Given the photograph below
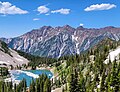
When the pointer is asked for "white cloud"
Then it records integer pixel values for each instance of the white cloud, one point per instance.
(35, 19)
(47, 14)
(61, 11)
(8, 8)
(100, 7)
(81, 24)
(43, 9)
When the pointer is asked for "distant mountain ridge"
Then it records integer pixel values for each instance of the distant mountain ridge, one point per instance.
(59, 41)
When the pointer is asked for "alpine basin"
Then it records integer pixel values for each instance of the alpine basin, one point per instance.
(28, 75)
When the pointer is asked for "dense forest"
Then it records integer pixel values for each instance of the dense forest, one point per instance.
(41, 84)
(37, 60)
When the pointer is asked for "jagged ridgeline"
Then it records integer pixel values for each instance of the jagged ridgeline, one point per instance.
(59, 41)
(88, 72)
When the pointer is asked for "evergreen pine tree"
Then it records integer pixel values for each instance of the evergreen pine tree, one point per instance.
(71, 85)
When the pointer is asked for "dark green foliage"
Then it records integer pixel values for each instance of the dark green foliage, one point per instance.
(74, 81)
(47, 85)
(36, 60)
(3, 71)
(71, 87)
(32, 86)
(22, 86)
(89, 75)
(41, 84)
(5, 48)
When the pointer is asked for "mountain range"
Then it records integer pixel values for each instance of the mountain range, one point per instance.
(59, 41)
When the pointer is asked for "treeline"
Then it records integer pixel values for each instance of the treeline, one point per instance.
(41, 84)
(37, 60)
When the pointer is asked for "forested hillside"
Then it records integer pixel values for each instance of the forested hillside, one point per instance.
(36, 60)
(88, 72)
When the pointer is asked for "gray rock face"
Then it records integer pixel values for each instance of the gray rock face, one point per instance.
(11, 58)
(60, 41)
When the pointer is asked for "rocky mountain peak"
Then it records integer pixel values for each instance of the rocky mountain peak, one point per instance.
(80, 28)
(60, 41)
(67, 26)
(45, 27)
(109, 27)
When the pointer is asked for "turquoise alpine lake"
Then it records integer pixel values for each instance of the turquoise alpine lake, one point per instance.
(28, 75)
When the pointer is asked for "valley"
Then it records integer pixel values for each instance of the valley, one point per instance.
(59, 46)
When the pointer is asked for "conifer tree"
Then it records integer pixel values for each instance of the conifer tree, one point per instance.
(71, 86)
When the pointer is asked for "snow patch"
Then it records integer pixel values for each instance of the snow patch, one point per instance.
(61, 50)
(3, 56)
(77, 47)
(112, 55)
(76, 43)
(3, 62)
(74, 38)
(40, 39)
(28, 73)
(87, 45)
(116, 37)
(98, 86)
(19, 59)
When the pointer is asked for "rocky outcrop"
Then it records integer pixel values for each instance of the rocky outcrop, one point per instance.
(10, 57)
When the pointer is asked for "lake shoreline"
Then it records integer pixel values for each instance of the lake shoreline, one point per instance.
(15, 75)
(51, 69)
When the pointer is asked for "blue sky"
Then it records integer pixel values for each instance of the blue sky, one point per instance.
(20, 16)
